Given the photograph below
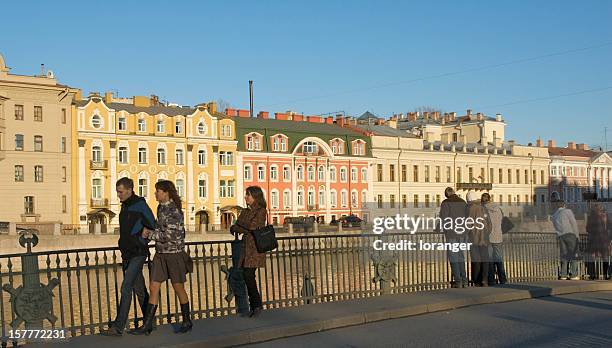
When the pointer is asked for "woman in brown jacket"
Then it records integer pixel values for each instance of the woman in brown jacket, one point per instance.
(599, 242)
(250, 219)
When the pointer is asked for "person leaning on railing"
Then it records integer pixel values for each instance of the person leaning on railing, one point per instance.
(170, 261)
(598, 245)
(567, 232)
(496, 253)
(251, 219)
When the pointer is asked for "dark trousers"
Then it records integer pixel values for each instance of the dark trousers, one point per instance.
(496, 264)
(254, 296)
(133, 283)
(480, 264)
(595, 268)
(457, 263)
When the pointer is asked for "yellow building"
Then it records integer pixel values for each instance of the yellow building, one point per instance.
(147, 141)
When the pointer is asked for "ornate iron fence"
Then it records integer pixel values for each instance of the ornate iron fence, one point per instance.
(85, 283)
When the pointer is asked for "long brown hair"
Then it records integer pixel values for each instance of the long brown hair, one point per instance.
(258, 196)
(168, 186)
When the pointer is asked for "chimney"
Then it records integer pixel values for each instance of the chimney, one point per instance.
(411, 116)
(263, 114)
(154, 100)
(469, 114)
(498, 117)
(212, 107)
(329, 120)
(281, 116)
(347, 121)
(340, 120)
(539, 143)
(426, 115)
(297, 117)
(453, 116)
(314, 119)
(108, 97)
(582, 147)
(551, 143)
(243, 113)
(571, 145)
(479, 116)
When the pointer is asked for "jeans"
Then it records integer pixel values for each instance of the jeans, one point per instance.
(568, 246)
(496, 264)
(254, 296)
(457, 263)
(480, 264)
(133, 283)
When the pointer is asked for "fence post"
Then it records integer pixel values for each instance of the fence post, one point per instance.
(290, 228)
(316, 227)
(31, 302)
(339, 226)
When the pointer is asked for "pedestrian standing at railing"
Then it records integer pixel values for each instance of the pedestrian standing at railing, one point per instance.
(251, 219)
(567, 232)
(479, 237)
(496, 253)
(170, 261)
(455, 208)
(598, 247)
(134, 216)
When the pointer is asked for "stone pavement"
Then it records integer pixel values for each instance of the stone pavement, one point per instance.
(293, 321)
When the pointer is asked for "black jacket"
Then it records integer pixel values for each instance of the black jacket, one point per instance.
(135, 214)
(453, 207)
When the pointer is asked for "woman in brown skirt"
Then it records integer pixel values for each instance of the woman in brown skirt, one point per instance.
(250, 219)
(170, 261)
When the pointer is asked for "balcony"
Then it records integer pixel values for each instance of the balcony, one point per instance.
(98, 202)
(98, 164)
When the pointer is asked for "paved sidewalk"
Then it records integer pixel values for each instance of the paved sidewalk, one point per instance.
(292, 321)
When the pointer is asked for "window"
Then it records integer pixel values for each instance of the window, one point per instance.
(201, 128)
(96, 154)
(391, 172)
(358, 148)
(343, 174)
(364, 198)
(38, 113)
(226, 189)
(333, 199)
(161, 126)
(202, 188)
(226, 130)
(253, 143)
(404, 173)
(455, 137)
(38, 143)
(311, 199)
(364, 175)
(448, 174)
(309, 147)
(426, 201)
(161, 156)
(286, 173)
(63, 146)
(482, 175)
(391, 201)
(404, 201)
(287, 199)
(63, 174)
(509, 176)
(321, 198)
(354, 175)
(300, 198)
(553, 171)
(142, 125)
(179, 157)
(248, 173)
(438, 200)
(227, 158)
(64, 118)
(343, 199)
(142, 155)
(332, 174)
(354, 200)
(178, 126)
(300, 172)
(96, 188)
(19, 173)
(274, 199)
(491, 175)
(122, 125)
(518, 176)
(543, 180)
(321, 173)
(261, 173)
(379, 172)
(416, 201)
(28, 204)
(311, 173)
(96, 121)
(427, 174)
(143, 188)
(527, 176)
(274, 173)
(458, 177)
(38, 173)
(201, 157)
(19, 112)
(379, 201)
(415, 173)
(283, 144)
(123, 155)
(437, 173)
(471, 174)
(500, 176)
(180, 187)
(276, 144)
(64, 204)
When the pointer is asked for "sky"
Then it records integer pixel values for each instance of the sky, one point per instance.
(544, 65)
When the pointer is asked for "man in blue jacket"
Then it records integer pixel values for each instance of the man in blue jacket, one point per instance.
(134, 216)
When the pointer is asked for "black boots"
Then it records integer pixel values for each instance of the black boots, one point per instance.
(147, 325)
(186, 325)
